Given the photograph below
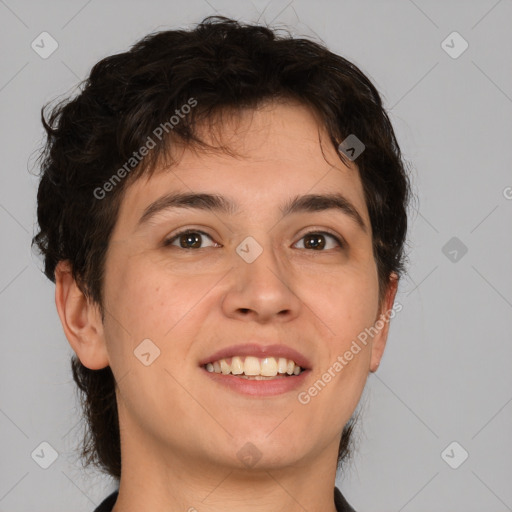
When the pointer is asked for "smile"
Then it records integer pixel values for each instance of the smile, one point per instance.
(256, 368)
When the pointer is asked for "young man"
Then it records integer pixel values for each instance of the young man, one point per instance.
(223, 213)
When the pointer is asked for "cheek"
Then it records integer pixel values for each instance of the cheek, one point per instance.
(148, 304)
(345, 302)
(149, 301)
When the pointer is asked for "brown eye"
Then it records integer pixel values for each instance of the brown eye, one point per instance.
(189, 239)
(317, 241)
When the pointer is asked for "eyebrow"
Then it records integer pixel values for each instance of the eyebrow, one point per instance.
(221, 204)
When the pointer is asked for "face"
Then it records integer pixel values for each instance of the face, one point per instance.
(259, 266)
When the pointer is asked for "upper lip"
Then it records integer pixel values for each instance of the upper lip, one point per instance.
(260, 351)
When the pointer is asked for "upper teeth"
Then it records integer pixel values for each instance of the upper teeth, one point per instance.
(266, 366)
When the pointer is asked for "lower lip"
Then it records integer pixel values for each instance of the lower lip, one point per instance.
(271, 387)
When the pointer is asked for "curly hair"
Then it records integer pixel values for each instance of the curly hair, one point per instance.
(223, 65)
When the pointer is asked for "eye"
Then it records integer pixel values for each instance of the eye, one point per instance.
(188, 239)
(316, 240)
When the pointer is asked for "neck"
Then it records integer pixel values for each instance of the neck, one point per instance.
(161, 480)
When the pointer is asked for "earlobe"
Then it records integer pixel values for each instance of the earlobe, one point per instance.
(80, 319)
(382, 323)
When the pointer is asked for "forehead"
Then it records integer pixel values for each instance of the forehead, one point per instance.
(279, 150)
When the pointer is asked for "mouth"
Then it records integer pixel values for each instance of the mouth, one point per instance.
(255, 368)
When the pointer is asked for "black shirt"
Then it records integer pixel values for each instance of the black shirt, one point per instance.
(341, 503)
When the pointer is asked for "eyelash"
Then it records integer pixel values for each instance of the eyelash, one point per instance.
(169, 241)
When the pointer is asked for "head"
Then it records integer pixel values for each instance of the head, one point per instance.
(235, 111)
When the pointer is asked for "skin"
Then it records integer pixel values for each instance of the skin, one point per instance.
(180, 432)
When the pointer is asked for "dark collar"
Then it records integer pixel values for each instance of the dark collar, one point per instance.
(341, 503)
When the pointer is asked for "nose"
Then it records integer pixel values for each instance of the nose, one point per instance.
(261, 290)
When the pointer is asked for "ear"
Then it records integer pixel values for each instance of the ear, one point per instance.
(382, 323)
(81, 319)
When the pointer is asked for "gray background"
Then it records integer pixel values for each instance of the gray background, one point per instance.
(446, 374)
